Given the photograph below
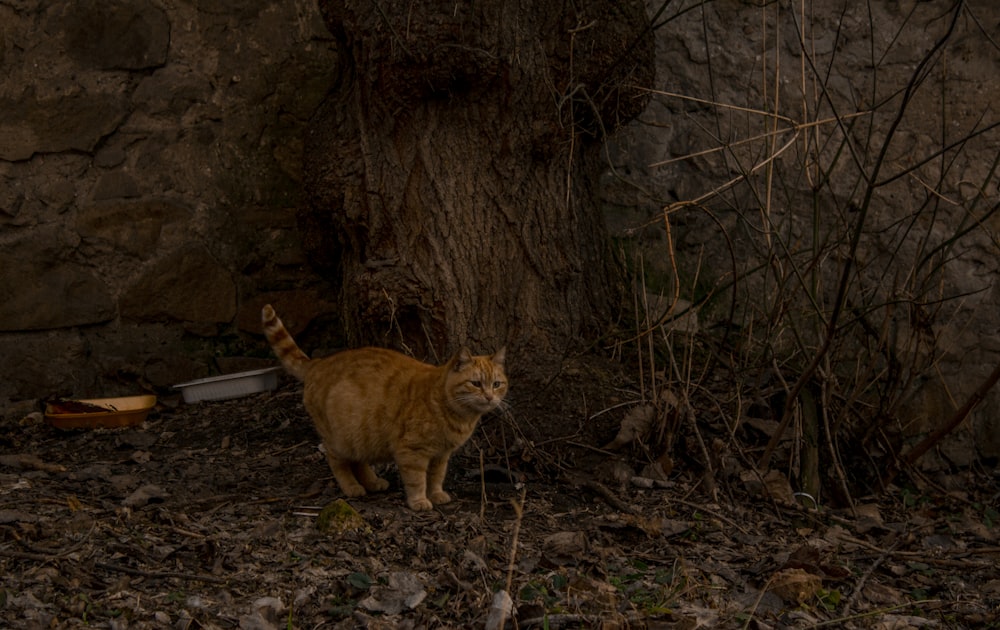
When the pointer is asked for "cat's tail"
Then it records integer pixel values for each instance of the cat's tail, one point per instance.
(291, 356)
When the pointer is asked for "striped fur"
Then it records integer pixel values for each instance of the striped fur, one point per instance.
(374, 405)
(287, 351)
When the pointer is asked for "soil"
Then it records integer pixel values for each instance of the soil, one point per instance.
(206, 516)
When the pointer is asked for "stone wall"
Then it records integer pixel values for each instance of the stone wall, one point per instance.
(769, 123)
(150, 160)
(149, 178)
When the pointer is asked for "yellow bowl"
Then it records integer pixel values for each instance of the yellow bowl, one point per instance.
(120, 412)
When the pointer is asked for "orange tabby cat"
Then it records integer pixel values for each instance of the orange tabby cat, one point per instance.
(374, 405)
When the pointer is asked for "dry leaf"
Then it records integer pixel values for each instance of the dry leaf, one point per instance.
(403, 591)
(883, 595)
(869, 518)
(564, 548)
(501, 609)
(652, 526)
(655, 471)
(778, 487)
(690, 617)
(597, 591)
(635, 425)
(29, 462)
(771, 484)
(144, 495)
(641, 420)
(795, 585)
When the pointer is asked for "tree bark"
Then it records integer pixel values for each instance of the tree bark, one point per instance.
(451, 175)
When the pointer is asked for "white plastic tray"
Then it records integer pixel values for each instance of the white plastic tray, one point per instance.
(229, 385)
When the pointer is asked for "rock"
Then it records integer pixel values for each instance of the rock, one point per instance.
(40, 365)
(115, 155)
(132, 226)
(167, 371)
(121, 35)
(73, 123)
(170, 91)
(42, 294)
(115, 185)
(188, 285)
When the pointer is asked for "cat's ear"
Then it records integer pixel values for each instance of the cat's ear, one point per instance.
(462, 359)
(499, 356)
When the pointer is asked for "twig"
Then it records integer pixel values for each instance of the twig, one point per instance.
(713, 513)
(564, 620)
(956, 419)
(627, 403)
(284, 450)
(709, 476)
(589, 447)
(864, 578)
(25, 555)
(840, 297)
(41, 557)
(53, 554)
(756, 603)
(159, 574)
(503, 604)
(187, 533)
(482, 488)
(602, 491)
(873, 613)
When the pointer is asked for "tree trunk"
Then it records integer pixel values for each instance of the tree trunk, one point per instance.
(451, 176)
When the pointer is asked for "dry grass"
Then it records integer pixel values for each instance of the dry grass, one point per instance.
(832, 314)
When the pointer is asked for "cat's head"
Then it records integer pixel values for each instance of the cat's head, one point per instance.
(476, 383)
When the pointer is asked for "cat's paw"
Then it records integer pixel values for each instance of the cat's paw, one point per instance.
(420, 505)
(440, 496)
(355, 490)
(378, 485)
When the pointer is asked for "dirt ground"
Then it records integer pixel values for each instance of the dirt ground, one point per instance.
(206, 517)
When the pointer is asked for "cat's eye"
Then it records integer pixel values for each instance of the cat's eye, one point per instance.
(479, 384)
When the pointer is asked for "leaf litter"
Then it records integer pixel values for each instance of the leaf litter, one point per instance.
(207, 516)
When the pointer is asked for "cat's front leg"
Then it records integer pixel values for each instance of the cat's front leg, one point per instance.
(413, 469)
(344, 474)
(368, 478)
(435, 480)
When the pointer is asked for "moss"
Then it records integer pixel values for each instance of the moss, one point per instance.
(339, 517)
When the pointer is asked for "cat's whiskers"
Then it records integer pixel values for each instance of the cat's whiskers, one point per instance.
(477, 402)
